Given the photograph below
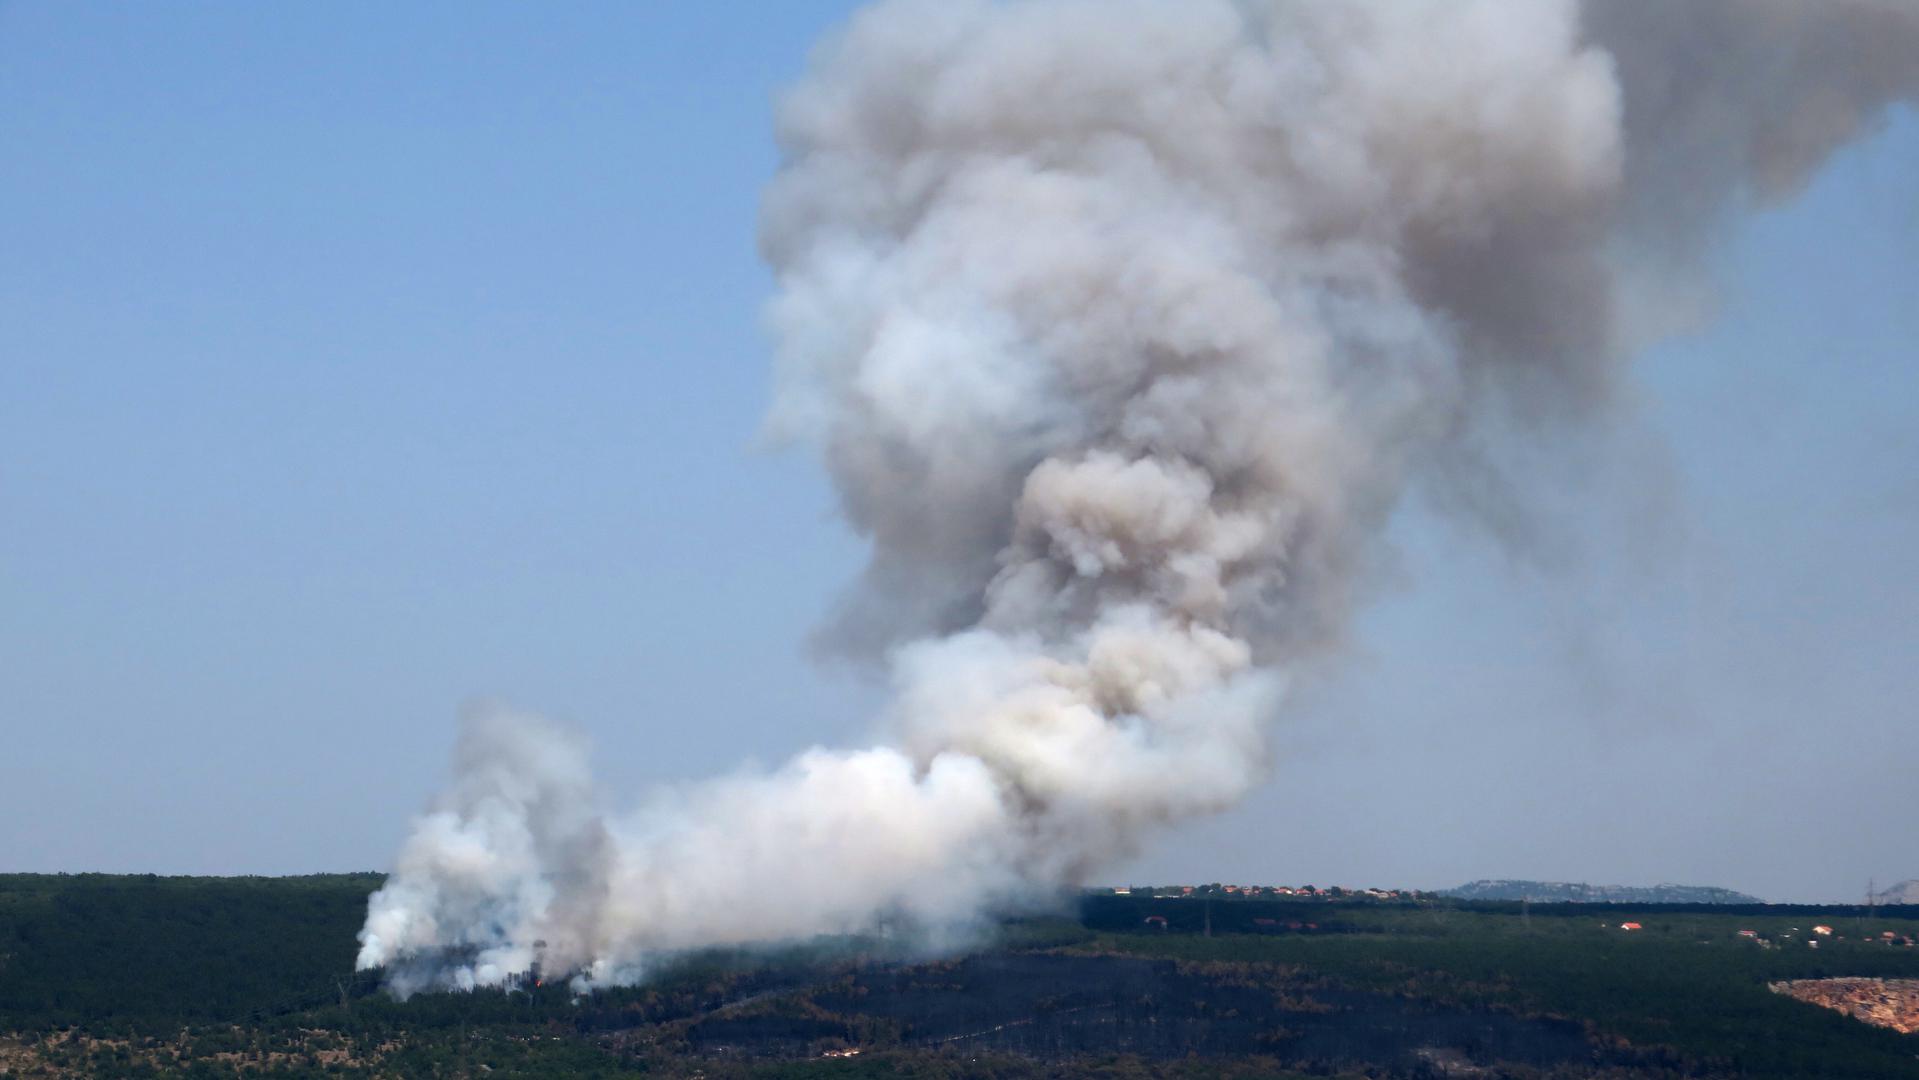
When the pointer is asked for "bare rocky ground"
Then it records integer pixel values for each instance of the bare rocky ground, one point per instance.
(1887, 1003)
(72, 1053)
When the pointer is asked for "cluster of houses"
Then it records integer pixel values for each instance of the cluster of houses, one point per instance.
(1265, 892)
(1766, 941)
(1884, 937)
(1264, 926)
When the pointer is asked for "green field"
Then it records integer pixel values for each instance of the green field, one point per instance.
(142, 976)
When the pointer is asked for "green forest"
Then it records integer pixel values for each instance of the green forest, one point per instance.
(152, 976)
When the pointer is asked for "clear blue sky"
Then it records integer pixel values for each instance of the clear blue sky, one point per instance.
(359, 360)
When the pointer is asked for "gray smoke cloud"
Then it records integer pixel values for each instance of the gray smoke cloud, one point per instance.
(1123, 327)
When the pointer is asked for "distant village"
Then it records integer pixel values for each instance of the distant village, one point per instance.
(1787, 937)
(1218, 891)
(1772, 938)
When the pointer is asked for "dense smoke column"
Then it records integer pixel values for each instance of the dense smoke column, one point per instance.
(1122, 328)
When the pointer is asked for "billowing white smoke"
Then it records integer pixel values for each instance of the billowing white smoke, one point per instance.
(1123, 326)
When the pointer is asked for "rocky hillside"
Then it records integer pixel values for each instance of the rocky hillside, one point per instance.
(1887, 1003)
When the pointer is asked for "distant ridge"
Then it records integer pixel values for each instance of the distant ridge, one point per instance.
(1562, 892)
(1906, 892)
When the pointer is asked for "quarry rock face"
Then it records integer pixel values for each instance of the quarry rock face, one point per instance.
(1888, 1003)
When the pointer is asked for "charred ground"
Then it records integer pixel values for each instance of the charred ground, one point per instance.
(216, 977)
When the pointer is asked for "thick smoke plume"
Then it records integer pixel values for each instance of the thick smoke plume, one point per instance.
(1123, 326)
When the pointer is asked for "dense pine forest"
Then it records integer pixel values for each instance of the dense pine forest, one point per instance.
(148, 976)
